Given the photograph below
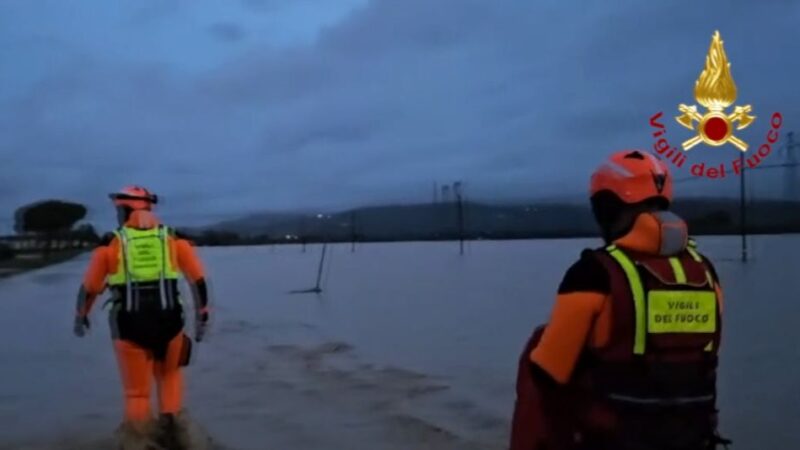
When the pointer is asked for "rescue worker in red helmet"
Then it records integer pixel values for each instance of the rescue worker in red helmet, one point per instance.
(141, 263)
(628, 360)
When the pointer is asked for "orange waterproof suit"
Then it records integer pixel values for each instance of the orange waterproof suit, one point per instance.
(146, 316)
(583, 384)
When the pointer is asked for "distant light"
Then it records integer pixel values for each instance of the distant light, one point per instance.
(320, 216)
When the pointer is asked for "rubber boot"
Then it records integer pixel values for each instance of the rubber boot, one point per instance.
(173, 432)
(136, 436)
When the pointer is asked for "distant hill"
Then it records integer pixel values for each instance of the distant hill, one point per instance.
(258, 223)
(492, 221)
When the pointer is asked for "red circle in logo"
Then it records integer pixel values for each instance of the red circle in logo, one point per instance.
(716, 129)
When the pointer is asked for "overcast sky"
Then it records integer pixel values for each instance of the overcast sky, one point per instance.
(225, 107)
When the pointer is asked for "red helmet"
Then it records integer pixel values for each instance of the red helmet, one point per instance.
(633, 176)
(134, 197)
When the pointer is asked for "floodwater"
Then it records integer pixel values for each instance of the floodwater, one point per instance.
(409, 346)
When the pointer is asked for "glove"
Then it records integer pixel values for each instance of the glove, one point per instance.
(81, 326)
(200, 325)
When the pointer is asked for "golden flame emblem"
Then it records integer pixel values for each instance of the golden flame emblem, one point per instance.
(716, 91)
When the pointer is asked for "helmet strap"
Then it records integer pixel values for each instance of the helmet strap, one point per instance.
(123, 214)
(622, 224)
(615, 217)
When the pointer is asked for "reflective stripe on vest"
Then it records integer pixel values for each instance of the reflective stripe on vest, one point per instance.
(637, 291)
(691, 248)
(696, 256)
(671, 311)
(144, 256)
(680, 275)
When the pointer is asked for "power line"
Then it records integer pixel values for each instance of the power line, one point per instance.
(790, 183)
(759, 167)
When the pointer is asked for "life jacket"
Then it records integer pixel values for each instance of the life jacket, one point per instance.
(146, 304)
(653, 386)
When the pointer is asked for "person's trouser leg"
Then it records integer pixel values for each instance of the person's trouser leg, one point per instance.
(136, 368)
(173, 426)
(169, 378)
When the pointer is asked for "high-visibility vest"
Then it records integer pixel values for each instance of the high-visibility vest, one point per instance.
(145, 260)
(678, 306)
(661, 357)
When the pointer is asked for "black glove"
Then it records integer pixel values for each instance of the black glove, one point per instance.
(200, 325)
(81, 326)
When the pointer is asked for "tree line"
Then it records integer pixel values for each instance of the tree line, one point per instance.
(47, 226)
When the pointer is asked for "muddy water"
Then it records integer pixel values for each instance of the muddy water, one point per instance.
(409, 346)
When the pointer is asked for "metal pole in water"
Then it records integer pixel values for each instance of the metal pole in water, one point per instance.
(460, 207)
(317, 288)
(743, 210)
(353, 231)
(460, 225)
(790, 176)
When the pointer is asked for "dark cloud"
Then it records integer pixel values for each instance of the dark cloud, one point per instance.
(146, 11)
(518, 98)
(227, 31)
(261, 5)
(274, 6)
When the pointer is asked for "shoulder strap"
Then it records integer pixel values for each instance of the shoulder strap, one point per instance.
(692, 249)
(638, 294)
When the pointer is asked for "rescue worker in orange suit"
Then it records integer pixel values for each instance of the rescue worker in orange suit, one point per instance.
(628, 360)
(141, 263)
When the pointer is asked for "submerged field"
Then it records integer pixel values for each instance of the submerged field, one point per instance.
(409, 346)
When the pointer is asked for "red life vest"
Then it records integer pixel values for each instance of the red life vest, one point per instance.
(654, 384)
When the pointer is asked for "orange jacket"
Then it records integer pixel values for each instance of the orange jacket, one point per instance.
(105, 261)
(582, 312)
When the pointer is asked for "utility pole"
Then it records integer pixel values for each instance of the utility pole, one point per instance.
(743, 209)
(791, 183)
(353, 231)
(445, 193)
(303, 233)
(318, 287)
(460, 203)
(791, 189)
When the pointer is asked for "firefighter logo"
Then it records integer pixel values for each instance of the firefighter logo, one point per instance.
(716, 91)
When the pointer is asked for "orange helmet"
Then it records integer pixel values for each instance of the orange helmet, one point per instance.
(134, 197)
(633, 176)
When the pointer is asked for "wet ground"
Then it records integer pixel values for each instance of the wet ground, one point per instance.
(409, 346)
